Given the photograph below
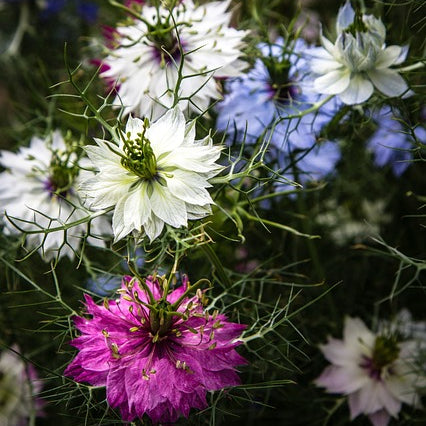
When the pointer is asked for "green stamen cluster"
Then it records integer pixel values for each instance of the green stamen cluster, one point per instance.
(159, 321)
(386, 351)
(140, 158)
(62, 173)
(278, 71)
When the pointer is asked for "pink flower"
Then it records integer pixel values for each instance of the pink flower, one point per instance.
(157, 352)
(375, 371)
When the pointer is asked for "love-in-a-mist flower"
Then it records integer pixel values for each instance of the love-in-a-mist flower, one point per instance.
(190, 41)
(157, 351)
(157, 174)
(359, 60)
(38, 192)
(259, 104)
(19, 387)
(376, 371)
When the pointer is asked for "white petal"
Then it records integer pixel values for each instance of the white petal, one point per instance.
(402, 55)
(198, 212)
(324, 65)
(167, 207)
(355, 332)
(343, 380)
(137, 207)
(339, 352)
(345, 17)
(118, 225)
(388, 56)
(189, 187)
(167, 133)
(389, 82)
(153, 227)
(134, 126)
(328, 45)
(372, 397)
(358, 91)
(333, 82)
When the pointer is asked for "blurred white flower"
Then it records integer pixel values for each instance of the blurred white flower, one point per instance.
(19, 386)
(38, 192)
(359, 60)
(344, 227)
(148, 54)
(157, 174)
(375, 371)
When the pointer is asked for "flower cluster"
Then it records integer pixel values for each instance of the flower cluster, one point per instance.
(271, 101)
(157, 353)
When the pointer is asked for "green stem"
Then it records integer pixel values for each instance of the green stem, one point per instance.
(277, 225)
(58, 228)
(14, 45)
(187, 291)
(84, 97)
(306, 226)
(210, 253)
(412, 67)
(37, 287)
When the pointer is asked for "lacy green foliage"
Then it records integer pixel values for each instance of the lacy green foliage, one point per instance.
(272, 262)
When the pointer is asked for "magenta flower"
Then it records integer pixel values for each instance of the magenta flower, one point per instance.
(157, 353)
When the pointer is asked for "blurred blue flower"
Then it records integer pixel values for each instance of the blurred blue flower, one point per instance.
(391, 143)
(259, 103)
(104, 284)
(138, 259)
(86, 9)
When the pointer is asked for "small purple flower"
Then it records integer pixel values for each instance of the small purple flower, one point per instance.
(391, 144)
(157, 352)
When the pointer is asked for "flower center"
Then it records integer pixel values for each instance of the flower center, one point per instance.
(140, 158)
(385, 352)
(359, 51)
(159, 321)
(165, 45)
(60, 179)
(167, 51)
(281, 86)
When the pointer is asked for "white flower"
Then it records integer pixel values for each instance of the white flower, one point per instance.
(157, 174)
(147, 75)
(37, 191)
(375, 371)
(18, 388)
(358, 61)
